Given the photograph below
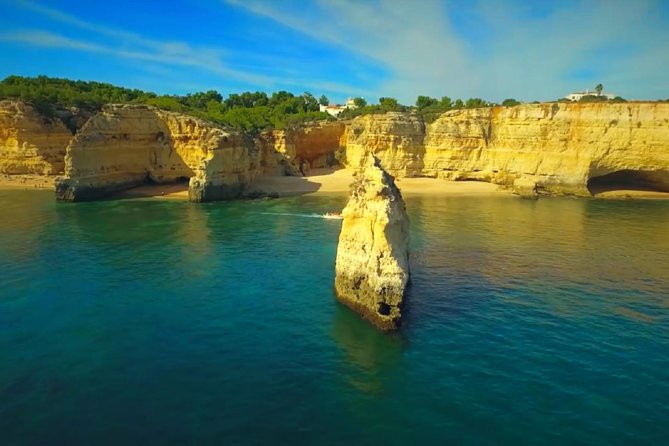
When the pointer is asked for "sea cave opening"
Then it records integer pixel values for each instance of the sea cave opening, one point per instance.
(639, 180)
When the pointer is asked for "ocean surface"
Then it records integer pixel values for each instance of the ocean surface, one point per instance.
(165, 322)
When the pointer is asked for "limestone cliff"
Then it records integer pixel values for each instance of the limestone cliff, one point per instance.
(558, 148)
(372, 265)
(396, 139)
(29, 142)
(124, 146)
(295, 151)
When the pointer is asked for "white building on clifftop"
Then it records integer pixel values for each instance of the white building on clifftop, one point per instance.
(579, 94)
(335, 109)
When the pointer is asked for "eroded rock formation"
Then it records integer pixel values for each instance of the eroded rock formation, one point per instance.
(295, 151)
(29, 142)
(127, 145)
(372, 265)
(395, 138)
(554, 148)
(557, 148)
(124, 146)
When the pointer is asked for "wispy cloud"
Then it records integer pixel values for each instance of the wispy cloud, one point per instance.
(410, 38)
(49, 39)
(491, 49)
(522, 51)
(129, 45)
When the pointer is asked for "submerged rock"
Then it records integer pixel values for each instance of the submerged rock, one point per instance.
(372, 266)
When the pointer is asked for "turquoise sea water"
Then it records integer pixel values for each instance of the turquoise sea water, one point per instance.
(160, 322)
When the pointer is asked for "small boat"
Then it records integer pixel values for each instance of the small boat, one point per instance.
(333, 215)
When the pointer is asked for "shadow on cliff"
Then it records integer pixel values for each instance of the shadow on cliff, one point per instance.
(336, 178)
(637, 180)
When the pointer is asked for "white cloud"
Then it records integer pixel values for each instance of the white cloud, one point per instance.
(129, 45)
(529, 57)
(621, 44)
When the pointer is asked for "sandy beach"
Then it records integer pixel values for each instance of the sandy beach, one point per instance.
(27, 182)
(320, 181)
(326, 181)
(337, 181)
(622, 194)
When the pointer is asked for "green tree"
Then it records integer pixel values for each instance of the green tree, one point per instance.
(424, 101)
(475, 103)
(458, 104)
(359, 102)
(510, 102)
(310, 102)
(446, 102)
(279, 97)
(323, 100)
(389, 104)
(599, 89)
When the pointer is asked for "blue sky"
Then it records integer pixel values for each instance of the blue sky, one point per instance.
(494, 49)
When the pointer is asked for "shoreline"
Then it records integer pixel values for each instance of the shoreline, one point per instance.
(320, 182)
(27, 182)
(325, 181)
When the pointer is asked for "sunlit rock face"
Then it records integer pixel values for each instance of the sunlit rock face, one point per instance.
(534, 149)
(29, 142)
(372, 264)
(297, 150)
(553, 148)
(127, 145)
(396, 139)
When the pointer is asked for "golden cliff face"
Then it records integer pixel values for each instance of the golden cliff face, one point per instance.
(124, 146)
(372, 265)
(29, 142)
(295, 151)
(395, 138)
(556, 148)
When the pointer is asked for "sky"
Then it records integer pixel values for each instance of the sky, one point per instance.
(493, 49)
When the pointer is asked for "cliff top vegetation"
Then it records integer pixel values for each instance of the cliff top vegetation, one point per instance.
(249, 111)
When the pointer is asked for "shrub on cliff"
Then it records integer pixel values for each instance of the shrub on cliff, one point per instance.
(425, 101)
(248, 111)
(389, 104)
(510, 102)
(593, 98)
(359, 102)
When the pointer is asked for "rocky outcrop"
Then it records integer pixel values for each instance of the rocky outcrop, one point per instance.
(553, 148)
(295, 151)
(29, 142)
(556, 148)
(127, 145)
(372, 265)
(396, 139)
(124, 146)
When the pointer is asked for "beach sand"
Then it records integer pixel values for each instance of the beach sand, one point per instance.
(338, 181)
(319, 181)
(624, 194)
(177, 191)
(326, 181)
(27, 182)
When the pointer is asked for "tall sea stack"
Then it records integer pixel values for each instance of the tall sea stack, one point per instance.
(372, 266)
